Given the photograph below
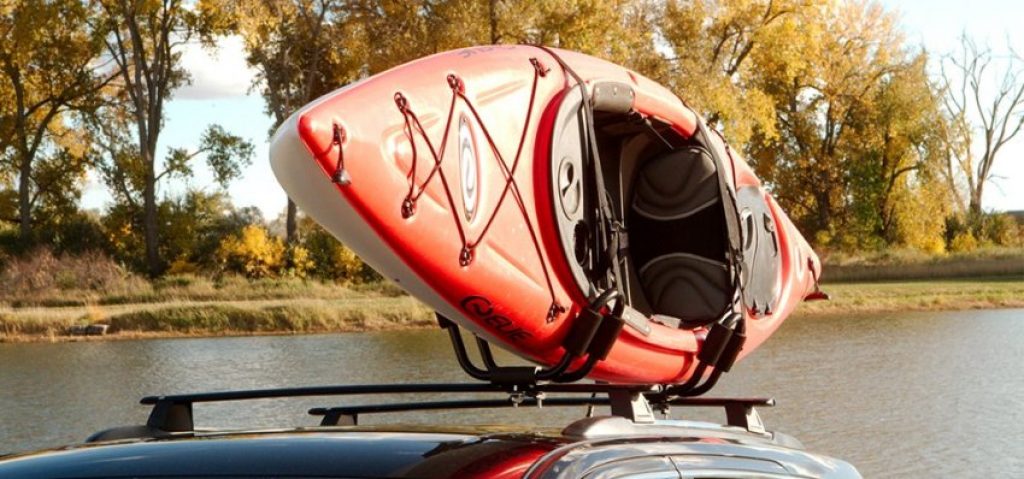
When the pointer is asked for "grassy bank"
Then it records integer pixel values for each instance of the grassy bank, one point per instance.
(936, 295)
(190, 288)
(903, 265)
(347, 310)
(359, 312)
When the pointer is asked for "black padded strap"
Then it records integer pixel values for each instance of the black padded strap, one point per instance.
(728, 197)
(609, 225)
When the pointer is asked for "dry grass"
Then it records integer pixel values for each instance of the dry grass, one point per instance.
(896, 265)
(222, 318)
(183, 288)
(44, 296)
(45, 278)
(374, 312)
(41, 279)
(877, 297)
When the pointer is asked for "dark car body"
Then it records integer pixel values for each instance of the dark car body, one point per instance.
(601, 447)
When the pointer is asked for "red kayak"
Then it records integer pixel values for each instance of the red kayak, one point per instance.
(530, 194)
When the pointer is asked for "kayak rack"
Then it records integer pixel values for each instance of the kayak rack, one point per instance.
(519, 386)
(516, 386)
(588, 342)
(173, 414)
(508, 375)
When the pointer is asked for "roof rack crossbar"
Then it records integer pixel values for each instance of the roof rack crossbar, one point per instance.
(740, 412)
(410, 388)
(345, 390)
(174, 413)
(349, 415)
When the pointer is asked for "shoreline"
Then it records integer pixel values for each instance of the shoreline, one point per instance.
(212, 319)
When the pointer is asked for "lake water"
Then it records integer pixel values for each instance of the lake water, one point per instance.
(908, 395)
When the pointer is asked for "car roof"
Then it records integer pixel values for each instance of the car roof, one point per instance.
(363, 454)
(395, 451)
(170, 444)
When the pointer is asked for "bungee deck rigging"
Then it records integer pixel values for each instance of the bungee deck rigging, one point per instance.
(458, 89)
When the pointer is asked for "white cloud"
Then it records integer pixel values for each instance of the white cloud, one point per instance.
(220, 72)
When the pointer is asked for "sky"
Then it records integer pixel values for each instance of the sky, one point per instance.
(220, 94)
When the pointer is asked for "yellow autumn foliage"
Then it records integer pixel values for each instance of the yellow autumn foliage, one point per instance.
(963, 243)
(299, 262)
(253, 253)
(181, 265)
(329, 259)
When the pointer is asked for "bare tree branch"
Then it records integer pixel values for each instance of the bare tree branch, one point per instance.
(985, 119)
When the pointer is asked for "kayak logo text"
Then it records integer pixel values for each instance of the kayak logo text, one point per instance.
(482, 308)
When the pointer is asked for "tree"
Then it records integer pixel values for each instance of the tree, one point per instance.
(716, 44)
(122, 170)
(838, 116)
(840, 58)
(50, 65)
(145, 41)
(195, 224)
(980, 87)
(899, 159)
(303, 49)
(300, 50)
(621, 31)
(396, 31)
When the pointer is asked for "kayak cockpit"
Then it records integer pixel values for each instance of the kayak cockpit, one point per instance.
(667, 194)
(665, 191)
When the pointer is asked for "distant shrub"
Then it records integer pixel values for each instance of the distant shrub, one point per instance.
(253, 253)
(933, 245)
(298, 262)
(1002, 230)
(80, 233)
(989, 229)
(182, 265)
(42, 274)
(332, 260)
(963, 242)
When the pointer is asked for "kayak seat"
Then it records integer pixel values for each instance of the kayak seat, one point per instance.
(676, 185)
(686, 286)
(677, 236)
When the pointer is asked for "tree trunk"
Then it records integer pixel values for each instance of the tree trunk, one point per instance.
(150, 220)
(25, 159)
(975, 206)
(493, 14)
(24, 197)
(291, 225)
(824, 204)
